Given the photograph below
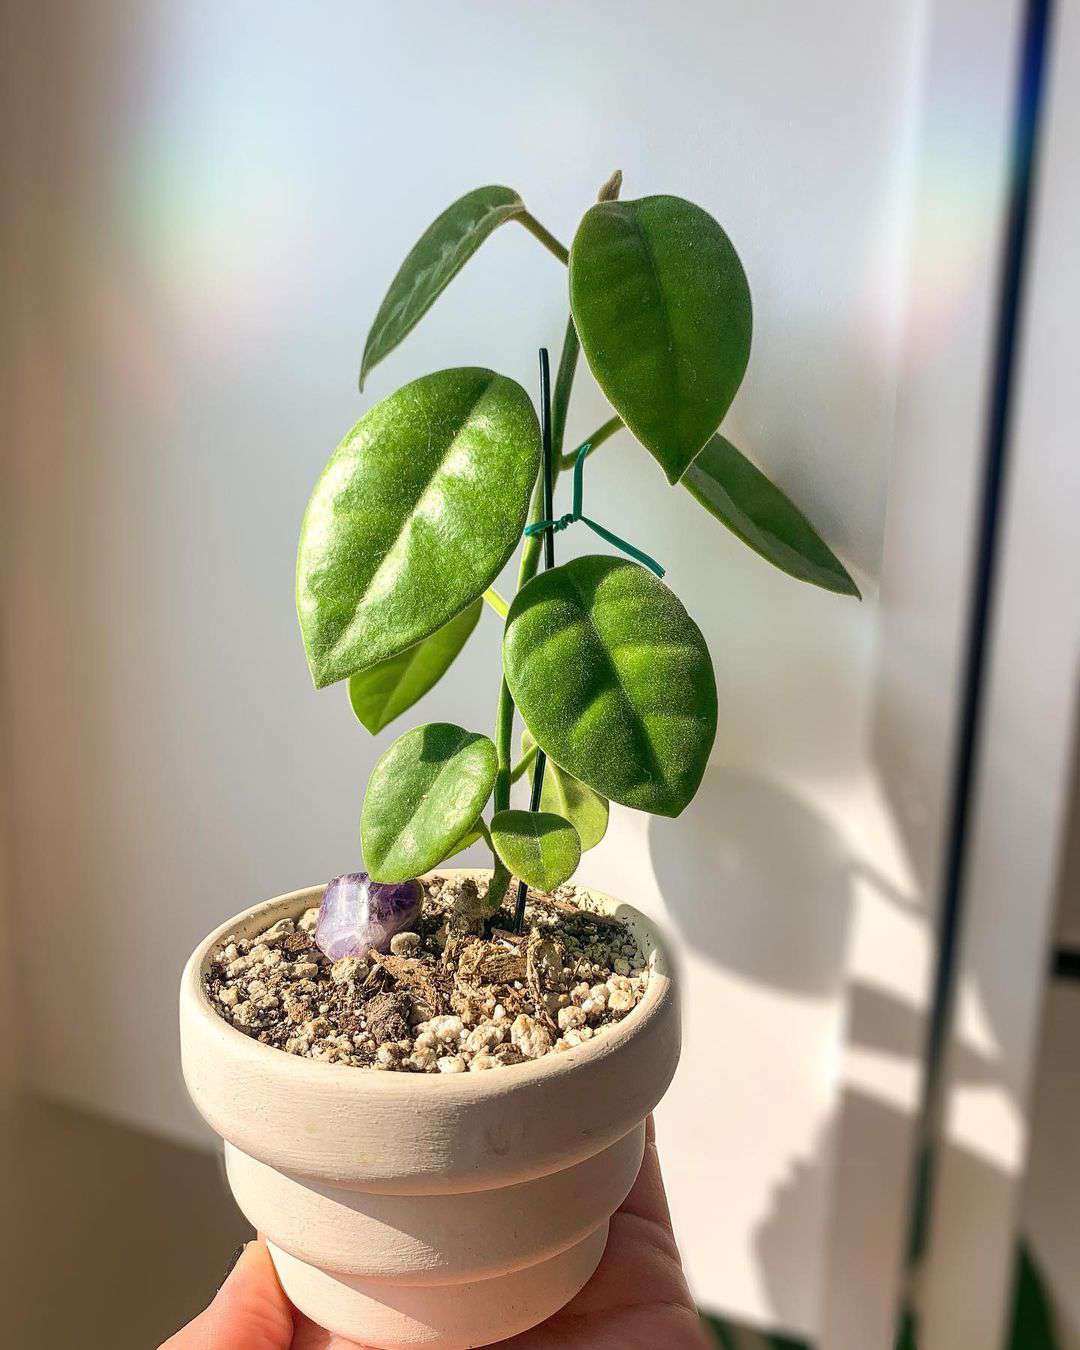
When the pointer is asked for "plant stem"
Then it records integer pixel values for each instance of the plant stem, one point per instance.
(560, 403)
(530, 556)
(564, 382)
(504, 737)
(545, 236)
(599, 436)
(522, 766)
(548, 475)
(497, 603)
(530, 552)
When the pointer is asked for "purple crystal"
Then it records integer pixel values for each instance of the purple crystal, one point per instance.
(358, 914)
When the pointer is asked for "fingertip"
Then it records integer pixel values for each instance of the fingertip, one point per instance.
(251, 1308)
(647, 1198)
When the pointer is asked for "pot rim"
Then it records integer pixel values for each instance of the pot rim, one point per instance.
(555, 1064)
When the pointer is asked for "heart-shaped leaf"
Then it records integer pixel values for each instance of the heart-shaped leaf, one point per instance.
(424, 793)
(386, 690)
(614, 680)
(539, 848)
(736, 492)
(413, 518)
(564, 795)
(433, 262)
(662, 307)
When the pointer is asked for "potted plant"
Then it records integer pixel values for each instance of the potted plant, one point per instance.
(432, 1083)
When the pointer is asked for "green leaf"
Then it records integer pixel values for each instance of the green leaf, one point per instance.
(662, 307)
(613, 679)
(564, 795)
(737, 493)
(413, 517)
(539, 848)
(386, 690)
(463, 843)
(433, 262)
(424, 793)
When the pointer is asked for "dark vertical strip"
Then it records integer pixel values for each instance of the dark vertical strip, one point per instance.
(1066, 964)
(548, 470)
(548, 466)
(1026, 127)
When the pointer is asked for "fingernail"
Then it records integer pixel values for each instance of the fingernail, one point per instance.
(232, 1262)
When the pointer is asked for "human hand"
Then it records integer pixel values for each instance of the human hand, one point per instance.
(636, 1300)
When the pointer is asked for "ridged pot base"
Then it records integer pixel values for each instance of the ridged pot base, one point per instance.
(440, 1317)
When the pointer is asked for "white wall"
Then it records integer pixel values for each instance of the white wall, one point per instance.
(230, 189)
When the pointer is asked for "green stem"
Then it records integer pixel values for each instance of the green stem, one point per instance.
(497, 603)
(545, 236)
(504, 736)
(530, 556)
(499, 883)
(522, 766)
(560, 402)
(599, 436)
(564, 382)
(530, 553)
(504, 733)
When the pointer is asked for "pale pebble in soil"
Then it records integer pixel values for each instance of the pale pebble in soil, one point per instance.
(448, 1029)
(484, 1037)
(278, 932)
(423, 1058)
(349, 970)
(528, 1036)
(620, 1001)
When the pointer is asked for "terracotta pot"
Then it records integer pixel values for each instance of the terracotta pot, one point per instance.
(444, 1210)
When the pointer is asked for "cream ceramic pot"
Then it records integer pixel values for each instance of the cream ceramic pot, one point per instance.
(439, 1210)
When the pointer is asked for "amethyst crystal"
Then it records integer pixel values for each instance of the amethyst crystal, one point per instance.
(358, 914)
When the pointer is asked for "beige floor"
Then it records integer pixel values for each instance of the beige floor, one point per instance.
(111, 1239)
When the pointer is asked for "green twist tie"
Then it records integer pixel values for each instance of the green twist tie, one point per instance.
(577, 514)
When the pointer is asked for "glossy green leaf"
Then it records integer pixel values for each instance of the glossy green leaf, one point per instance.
(386, 690)
(424, 793)
(433, 262)
(468, 839)
(613, 679)
(662, 307)
(737, 493)
(564, 795)
(539, 848)
(413, 517)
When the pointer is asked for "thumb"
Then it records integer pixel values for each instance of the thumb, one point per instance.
(250, 1311)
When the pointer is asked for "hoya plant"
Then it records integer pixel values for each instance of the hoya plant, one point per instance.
(428, 496)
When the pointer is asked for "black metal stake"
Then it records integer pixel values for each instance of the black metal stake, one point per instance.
(549, 561)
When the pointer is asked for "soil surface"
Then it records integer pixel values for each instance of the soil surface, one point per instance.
(460, 994)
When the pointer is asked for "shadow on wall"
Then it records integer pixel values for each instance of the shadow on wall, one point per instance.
(775, 1254)
(881, 1022)
(784, 874)
(878, 1021)
(781, 871)
(763, 884)
(780, 1239)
